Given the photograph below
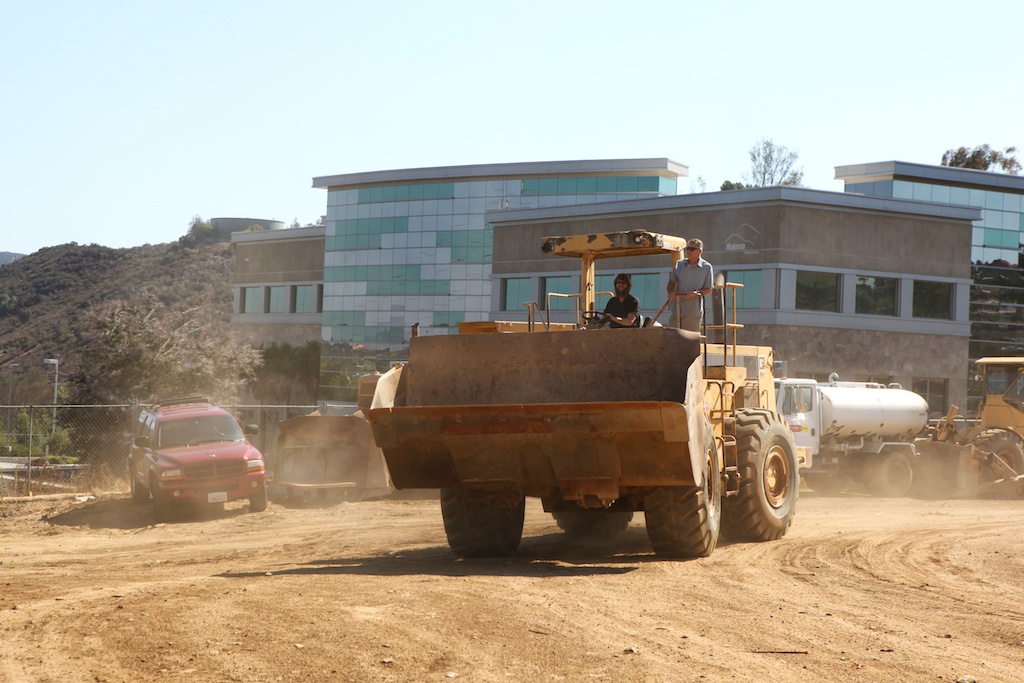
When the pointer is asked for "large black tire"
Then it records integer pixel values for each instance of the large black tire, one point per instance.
(140, 494)
(685, 521)
(1006, 445)
(592, 523)
(481, 529)
(763, 508)
(163, 509)
(258, 500)
(889, 474)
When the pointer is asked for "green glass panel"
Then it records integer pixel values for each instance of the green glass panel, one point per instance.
(402, 193)
(933, 300)
(627, 184)
(817, 291)
(389, 193)
(415, 192)
(459, 254)
(376, 194)
(586, 185)
(876, 295)
(648, 184)
(531, 186)
(364, 195)
(548, 186)
(566, 186)
(606, 185)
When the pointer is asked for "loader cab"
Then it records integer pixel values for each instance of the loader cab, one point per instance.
(1003, 401)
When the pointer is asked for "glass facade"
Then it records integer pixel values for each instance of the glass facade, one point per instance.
(997, 259)
(997, 256)
(406, 254)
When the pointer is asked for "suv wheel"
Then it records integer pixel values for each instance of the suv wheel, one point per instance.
(258, 500)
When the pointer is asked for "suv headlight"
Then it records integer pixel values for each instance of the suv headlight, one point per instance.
(254, 465)
(173, 473)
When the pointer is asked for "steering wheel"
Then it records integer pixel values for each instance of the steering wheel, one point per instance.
(592, 317)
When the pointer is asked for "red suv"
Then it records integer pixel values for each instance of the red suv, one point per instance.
(188, 450)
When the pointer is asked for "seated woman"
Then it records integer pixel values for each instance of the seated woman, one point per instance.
(623, 309)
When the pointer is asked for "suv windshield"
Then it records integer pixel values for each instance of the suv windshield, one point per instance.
(192, 431)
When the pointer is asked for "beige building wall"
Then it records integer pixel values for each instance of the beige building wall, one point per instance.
(283, 258)
(782, 231)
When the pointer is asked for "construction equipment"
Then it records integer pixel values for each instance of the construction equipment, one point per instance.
(879, 436)
(329, 455)
(597, 423)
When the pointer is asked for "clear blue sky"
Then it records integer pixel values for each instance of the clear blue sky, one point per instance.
(121, 120)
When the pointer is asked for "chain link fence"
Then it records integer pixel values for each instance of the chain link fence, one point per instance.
(81, 448)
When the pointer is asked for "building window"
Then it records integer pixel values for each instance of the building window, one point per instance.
(933, 300)
(515, 291)
(876, 295)
(277, 300)
(750, 295)
(933, 391)
(557, 285)
(817, 291)
(249, 300)
(307, 298)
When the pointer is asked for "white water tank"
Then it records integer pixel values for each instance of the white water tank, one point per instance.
(884, 414)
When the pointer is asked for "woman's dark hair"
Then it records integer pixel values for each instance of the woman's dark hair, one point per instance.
(623, 277)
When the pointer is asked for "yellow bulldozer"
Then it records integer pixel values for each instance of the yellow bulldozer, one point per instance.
(597, 423)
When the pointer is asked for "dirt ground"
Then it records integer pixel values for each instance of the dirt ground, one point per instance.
(861, 589)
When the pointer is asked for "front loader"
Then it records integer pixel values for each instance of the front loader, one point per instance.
(597, 423)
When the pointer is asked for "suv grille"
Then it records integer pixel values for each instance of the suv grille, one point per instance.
(215, 468)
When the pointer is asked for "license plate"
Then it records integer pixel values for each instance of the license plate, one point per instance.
(219, 497)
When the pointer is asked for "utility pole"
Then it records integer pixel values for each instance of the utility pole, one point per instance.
(10, 399)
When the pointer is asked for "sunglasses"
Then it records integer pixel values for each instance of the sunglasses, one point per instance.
(693, 249)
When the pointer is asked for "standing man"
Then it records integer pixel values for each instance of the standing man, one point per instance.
(691, 280)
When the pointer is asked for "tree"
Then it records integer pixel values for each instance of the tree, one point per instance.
(730, 185)
(145, 350)
(199, 232)
(772, 164)
(982, 158)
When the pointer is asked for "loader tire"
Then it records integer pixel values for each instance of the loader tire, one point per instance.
(1006, 445)
(685, 521)
(763, 508)
(889, 474)
(592, 523)
(481, 528)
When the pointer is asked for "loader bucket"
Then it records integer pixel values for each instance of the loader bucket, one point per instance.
(945, 470)
(330, 452)
(545, 413)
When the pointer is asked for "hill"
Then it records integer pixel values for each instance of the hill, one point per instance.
(46, 298)
(8, 256)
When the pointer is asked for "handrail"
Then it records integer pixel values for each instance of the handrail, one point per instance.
(532, 308)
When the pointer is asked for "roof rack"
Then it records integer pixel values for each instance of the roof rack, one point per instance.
(181, 401)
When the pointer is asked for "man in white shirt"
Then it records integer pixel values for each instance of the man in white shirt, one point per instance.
(691, 280)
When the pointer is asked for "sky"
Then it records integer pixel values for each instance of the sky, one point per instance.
(122, 120)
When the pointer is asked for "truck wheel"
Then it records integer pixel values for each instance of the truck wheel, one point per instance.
(258, 500)
(1004, 444)
(162, 509)
(592, 523)
(139, 494)
(890, 474)
(763, 508)
(481, 528)
(684, 521)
